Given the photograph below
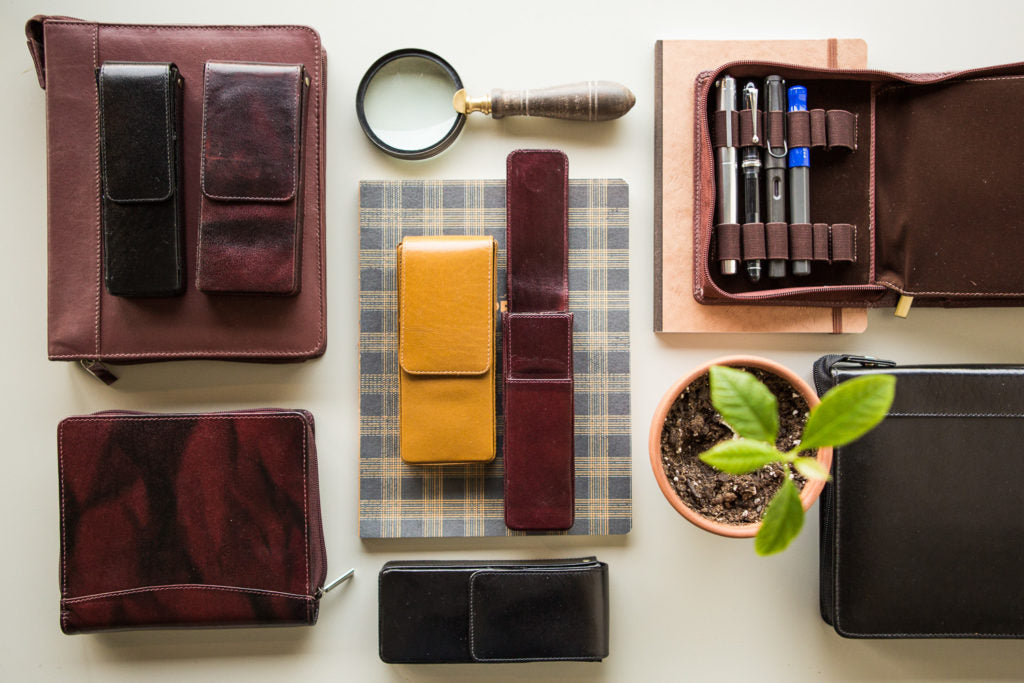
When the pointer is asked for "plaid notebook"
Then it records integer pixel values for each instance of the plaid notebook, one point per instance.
(397, 500)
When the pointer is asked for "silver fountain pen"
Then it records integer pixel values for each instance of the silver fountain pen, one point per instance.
(726, 164)
(752, 176)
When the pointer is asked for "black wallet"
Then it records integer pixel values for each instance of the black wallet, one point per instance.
(140, 152)
(921, 526)
(451, 612)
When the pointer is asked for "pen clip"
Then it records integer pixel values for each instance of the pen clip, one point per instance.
(750, 102)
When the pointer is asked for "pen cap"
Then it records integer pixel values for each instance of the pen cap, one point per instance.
(797, 99)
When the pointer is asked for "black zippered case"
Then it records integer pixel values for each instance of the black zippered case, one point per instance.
(921, 525)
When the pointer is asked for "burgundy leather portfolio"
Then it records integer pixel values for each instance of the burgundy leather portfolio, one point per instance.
(261, 200)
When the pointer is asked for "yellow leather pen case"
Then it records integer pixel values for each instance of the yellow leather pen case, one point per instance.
(446, 304)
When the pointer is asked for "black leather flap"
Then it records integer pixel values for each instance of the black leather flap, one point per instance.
(137, 129)
(921, 526)
(539, 613)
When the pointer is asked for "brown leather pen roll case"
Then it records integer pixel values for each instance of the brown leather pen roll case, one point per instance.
(924, 184)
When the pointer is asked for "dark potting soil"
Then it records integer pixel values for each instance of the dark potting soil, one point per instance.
(693, 426)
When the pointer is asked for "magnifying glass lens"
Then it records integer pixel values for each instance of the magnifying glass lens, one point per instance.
(408, 103)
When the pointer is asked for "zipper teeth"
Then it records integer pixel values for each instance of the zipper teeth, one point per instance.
(707, 217)
(314, 486)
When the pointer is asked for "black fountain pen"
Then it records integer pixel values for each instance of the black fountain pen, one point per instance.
(751, 166)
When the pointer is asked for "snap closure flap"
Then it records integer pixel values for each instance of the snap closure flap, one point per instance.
(137, 130)
(446, 305)
(251, 131)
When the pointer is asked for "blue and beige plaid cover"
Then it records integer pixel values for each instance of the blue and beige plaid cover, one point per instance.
(397, 500)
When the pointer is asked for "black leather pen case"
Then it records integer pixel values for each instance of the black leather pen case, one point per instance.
(451, 612)
(921, 526)
(140, 138)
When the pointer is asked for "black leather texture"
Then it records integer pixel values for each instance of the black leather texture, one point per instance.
(140, 117)
(460, 612)
(921, 527)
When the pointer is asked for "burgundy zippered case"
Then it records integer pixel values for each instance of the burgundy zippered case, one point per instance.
(922, 182)
(171, 520)
(85, 322)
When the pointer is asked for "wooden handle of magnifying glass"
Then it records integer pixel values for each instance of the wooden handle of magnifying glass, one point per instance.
(587, 101)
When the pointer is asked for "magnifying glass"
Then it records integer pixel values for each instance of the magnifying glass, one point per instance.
(411, 103)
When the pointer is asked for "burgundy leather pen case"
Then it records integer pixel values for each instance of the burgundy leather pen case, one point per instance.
(171, 520)
(252, 177)
(537, 346)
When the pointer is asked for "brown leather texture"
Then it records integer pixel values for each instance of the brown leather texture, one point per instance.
(250, 215)
(189, 520)
(913, 221)
(83, 321)
(537, 345)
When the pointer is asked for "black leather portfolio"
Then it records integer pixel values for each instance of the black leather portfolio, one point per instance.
(922, 534)
(538, 610)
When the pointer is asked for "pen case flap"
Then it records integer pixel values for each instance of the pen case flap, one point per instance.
(189, 520)
(920, 526)
(947, 177)
(446, 286)
(137, 117)
(538, 613)
(251, 131)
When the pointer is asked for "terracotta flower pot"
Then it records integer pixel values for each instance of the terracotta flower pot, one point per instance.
(809, 494)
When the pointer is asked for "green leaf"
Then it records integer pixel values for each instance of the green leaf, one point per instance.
(745, 403)
(740, 456)
(782, 521)
(848, 411)
(811, 468)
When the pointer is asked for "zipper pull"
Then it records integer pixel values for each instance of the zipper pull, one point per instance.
(864, 361)
(98, 370)
(903, 306)
(321, 592)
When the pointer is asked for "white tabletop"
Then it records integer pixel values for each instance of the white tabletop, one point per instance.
(685, 605)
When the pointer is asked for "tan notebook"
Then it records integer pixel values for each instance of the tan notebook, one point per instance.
(677, 64)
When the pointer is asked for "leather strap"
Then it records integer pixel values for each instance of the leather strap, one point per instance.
(801, 242)
(727, 241)
(753, 242)
(537, 345)
(819, 239)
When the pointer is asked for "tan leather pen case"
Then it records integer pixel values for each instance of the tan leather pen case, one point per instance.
(446, 304)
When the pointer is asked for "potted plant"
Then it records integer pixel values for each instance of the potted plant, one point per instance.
(744, 454)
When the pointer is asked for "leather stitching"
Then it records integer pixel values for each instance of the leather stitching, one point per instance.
(97, 194)
(184, 586)
(295, 138)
